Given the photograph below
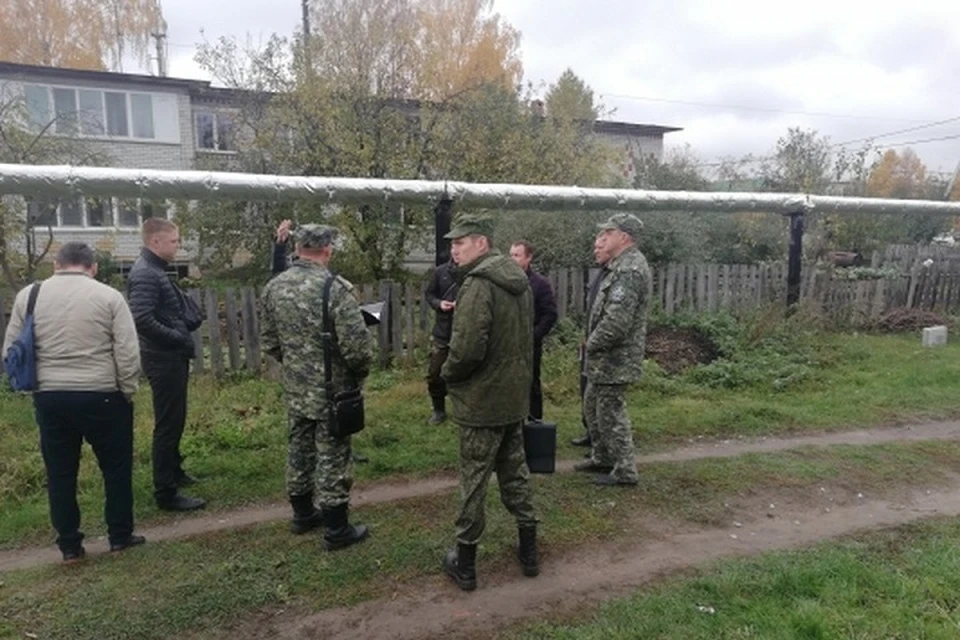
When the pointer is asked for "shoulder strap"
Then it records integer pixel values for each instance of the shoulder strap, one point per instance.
(32, 300)
(327, 339)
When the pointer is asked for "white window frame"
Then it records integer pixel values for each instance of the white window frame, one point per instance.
(112, 214)
(216, 131)
(105, 135)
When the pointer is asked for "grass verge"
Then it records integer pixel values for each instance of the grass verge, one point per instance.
(211, 585)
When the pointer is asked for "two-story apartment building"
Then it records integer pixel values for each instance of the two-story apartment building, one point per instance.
(151, 122)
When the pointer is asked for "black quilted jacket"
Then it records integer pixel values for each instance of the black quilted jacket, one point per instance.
(158, 308)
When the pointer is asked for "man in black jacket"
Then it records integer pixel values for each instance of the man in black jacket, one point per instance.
(544, 317)
(441, 294)
(164, 318)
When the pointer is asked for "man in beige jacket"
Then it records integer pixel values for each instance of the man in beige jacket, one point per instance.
(88, 368)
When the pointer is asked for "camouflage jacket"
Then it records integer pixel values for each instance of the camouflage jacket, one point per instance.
(617, 327)
(490, 366)
(292, 332)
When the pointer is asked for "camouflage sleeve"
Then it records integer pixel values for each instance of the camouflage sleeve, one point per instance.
(269, 333)
(353, 339)
(626, 293)
(471, 331)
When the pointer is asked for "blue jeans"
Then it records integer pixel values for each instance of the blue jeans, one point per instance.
(105, 420)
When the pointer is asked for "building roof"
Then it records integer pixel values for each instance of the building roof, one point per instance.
(203, 90)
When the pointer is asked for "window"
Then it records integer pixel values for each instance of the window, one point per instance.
(133, 212)
(99, 212)
(71, 212)
(92, 112)
(116, 114)
(38, 106)
(141, 108)
(42, 212)
(214, 132)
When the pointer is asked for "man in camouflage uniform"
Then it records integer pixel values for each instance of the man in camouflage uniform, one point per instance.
(292, 332)
(616, 332)
(488, 373)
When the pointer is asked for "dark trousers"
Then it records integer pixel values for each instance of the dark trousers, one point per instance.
(168, 378)
(105, 420)
(536, 393)
(436, 385)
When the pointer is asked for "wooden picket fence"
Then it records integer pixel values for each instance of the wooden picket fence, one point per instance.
(229, 340)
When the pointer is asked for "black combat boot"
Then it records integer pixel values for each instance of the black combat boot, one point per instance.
(306, 516)
(461, 565)
(439, 410)
(527, 551)
(340, 534)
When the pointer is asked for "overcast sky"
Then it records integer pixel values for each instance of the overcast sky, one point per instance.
(735, 74)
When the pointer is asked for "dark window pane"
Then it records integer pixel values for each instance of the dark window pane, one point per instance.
(71, 213)
(141, 108)
(65, 108)
(117, 114)
(41, 212)
(38, 106)
(91, 113)
(224, 133)
(205, 131)
(129, 213)
(98, 213)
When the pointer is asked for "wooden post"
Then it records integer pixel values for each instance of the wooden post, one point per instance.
(251, 329)
(386, 317)
(794, 264)
(668, 299)
(713, 272)
(411, 317)
(213, 327)
(562, 296)
(233, 328)
(198, 360)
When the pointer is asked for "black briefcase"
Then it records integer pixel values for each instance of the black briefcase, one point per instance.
(540, 446)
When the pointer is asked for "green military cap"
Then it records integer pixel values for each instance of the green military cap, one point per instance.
(626, 222)
(471, 224)
(315, 236)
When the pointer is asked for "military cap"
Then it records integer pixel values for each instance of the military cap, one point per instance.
(626, 222)
(315, 236)
(471, 224)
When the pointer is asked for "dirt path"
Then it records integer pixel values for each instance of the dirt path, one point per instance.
(438, 610)
(382, 492)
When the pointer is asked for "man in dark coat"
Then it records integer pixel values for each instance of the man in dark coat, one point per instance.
(544, 318)
(441, 294)
(165, 317)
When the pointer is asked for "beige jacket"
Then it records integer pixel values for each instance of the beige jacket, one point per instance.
(85, 336)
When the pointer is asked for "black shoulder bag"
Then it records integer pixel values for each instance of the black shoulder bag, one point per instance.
(345, 408)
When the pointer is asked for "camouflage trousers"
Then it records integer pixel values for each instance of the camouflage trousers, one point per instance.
(318, 463)
(605, 412)
(484, 450)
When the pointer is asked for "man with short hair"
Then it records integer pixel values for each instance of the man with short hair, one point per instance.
(164, 323)
(544, 317)
(292, 331)
(616, 333)
(488, 373)
(88, 368)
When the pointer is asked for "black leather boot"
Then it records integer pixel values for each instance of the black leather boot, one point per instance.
(461, 565)
(527, 551)
(306, 516)
(439, 410)
(340, 534)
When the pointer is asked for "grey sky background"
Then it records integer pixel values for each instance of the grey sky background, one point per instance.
(735, 74)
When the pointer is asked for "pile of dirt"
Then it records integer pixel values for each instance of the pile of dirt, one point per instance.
(676, 350)
(904, 320)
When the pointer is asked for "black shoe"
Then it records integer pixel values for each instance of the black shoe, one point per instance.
(461, 565)
(527, 551)
(582, 441)
(340, 534)
(589, 466)
(181, 503)
(438, 417)
(132, 541)
(72, 556)
(306, 516)
(186, 480)
(609, 481)
(359, 458)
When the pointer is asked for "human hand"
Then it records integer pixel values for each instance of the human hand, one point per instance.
(446, 305)
(283, 231)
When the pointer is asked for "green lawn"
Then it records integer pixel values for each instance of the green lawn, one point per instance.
(894, 584)
(236, 433)
(207, 584)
